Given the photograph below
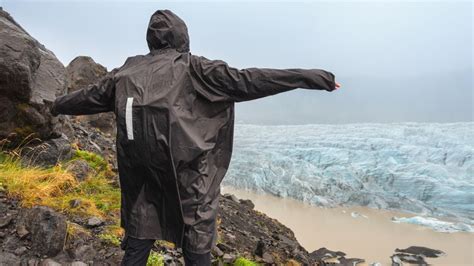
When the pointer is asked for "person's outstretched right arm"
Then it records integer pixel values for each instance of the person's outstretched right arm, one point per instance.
(217, 81)
(93, 99)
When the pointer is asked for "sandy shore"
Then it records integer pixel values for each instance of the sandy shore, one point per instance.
(373, 238)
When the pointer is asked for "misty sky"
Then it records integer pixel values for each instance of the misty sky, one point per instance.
(397, 61)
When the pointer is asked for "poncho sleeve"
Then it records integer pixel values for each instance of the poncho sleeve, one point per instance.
(217, 81)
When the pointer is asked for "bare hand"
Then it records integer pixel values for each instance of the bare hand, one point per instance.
(338, 85)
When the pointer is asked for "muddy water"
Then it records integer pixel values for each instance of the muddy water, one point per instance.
(373, 238)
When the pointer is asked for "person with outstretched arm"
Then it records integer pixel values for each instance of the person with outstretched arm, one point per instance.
(175, 122)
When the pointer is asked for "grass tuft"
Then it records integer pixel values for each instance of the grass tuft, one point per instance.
(34, 185)
(241, 261)
(155, 259)
(112, 235)
(110, 239)
(94, 160)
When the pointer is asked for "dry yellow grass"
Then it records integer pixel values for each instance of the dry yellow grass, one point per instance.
(34, 185)
(56, 187)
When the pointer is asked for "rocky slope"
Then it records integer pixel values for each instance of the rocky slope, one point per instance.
(41, 236)
(44, 236)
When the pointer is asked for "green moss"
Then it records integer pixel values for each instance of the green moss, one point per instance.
(94, 160)
(112, 235)
(110, 239)
(155, 259)
(241, 261)
(102, 192)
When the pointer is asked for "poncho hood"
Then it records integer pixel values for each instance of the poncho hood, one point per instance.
(167, 30)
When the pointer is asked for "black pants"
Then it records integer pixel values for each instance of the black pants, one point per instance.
(138, 250)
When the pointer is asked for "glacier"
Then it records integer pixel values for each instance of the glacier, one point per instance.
(421, 168)
(435, 224)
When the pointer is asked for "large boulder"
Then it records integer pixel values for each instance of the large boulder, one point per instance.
(81, 72)
(30, 79)
(48, 229)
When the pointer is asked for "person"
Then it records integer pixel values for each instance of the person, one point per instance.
(175, 120)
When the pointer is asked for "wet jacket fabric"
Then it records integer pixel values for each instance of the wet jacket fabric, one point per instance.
(175, 122)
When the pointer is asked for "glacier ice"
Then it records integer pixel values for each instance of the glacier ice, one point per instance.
(440, 226)
(424, 168)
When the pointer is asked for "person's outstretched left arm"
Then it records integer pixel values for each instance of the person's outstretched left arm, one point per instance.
(217, 81)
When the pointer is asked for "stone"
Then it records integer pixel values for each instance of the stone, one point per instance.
(80, 169)
(267, 258)
(217, 252)
(228, 258)
(231, 197)
(324, 253)
(21, 231)
(30, 79)
(94, 222)
(417, 250)
(78, 263)
(9, 259)
(350, 261)
(292, 244)
(47, 153)
(167, 259)
(49, 262)
(224, 247)
(19, 251)
(33, 262)
(398, 259)
(84, 253)
(81, 72)
(247, 203)
(260, 249)
(300, 256)
(5, 220)
(47, 229)
(230, 236)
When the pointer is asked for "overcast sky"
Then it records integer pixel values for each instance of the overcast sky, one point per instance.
(397, 61)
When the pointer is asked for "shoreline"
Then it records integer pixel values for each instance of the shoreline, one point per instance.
(360, 232)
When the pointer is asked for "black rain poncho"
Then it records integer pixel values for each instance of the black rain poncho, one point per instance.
(175, 121)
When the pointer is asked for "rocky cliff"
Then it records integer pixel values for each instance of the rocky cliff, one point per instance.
(30, 78)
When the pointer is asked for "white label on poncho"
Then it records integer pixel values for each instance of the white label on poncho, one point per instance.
(129, 118)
